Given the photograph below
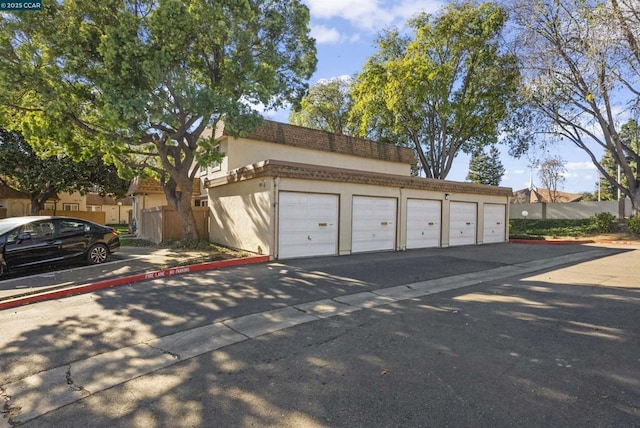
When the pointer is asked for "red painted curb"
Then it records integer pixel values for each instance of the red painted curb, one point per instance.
(87, 288)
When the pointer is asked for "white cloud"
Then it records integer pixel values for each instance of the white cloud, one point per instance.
(344, 77)
(371, 15)
(324, 34)
(571, 166)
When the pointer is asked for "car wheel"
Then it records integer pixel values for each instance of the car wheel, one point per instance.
(97, 254)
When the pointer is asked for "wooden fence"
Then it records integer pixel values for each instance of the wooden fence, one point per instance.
(162, 224)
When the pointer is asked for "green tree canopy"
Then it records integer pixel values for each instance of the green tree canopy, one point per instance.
(41, 178)
(326, 106)
(141, 80)
(486, 168)
(447, 88)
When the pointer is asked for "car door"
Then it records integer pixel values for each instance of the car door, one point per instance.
(73, 236)
(32, 243)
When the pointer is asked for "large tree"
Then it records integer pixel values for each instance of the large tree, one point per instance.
(486, 168)
(581, 62)
(448, 87)
(326, 106)
(141, 80)
(42, 177)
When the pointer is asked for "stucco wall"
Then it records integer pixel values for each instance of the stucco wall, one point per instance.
(241, 152)
(241, 215)
(569, 210)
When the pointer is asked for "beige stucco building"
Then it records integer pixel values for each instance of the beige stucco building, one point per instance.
(15, 204)
(289, 191)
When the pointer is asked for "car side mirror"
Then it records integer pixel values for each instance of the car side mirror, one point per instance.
(24, 236)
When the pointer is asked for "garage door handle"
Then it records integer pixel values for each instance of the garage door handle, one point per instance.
(384, 223)
(431, 223)
(468, 223)
(322, 224)
(498, 223)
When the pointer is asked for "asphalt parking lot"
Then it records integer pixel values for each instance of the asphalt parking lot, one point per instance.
(498, 335)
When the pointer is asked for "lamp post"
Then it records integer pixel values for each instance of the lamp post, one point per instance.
(525, 213)
(119, 209)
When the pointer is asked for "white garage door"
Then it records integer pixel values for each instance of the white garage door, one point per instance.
(494, 223)
(462, 223)
(423, 223)
(307, 225)
(374, 224)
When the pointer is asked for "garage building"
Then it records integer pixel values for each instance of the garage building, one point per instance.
(289, 191)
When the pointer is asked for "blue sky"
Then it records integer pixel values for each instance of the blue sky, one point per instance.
(345, 33)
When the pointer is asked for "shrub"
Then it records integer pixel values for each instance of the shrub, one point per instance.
(633, 223)
(555, 227)
(604, 222)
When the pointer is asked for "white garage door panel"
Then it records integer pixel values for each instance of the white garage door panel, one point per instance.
(374, 224)
(494, 223)
(462, 223)
(308, 225)
(423, 223)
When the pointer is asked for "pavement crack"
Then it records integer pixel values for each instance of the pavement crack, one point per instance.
(305, 312)
(335, 299)
(164, 351)
(73, 385)
(235, 331)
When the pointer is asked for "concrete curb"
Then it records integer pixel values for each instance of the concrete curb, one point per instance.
(71, 290)
(573, 241)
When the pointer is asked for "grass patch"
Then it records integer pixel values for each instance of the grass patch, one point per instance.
(126, 241)
(122, 229)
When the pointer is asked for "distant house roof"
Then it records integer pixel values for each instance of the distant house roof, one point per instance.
(9, 193)
(144, 185)
(96, 199)
(150, 186)
(535, 196)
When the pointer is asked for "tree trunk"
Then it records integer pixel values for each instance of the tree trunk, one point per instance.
(181, 201)
(35, 208)
(187, 219)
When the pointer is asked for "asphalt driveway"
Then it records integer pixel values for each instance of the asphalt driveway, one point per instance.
(499, 335)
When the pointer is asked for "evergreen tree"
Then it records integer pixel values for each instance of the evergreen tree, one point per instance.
(486, 168)
(628, 137)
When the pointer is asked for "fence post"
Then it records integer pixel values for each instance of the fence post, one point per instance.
(620, 208)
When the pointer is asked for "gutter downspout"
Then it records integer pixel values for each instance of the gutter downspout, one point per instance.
(275, 217)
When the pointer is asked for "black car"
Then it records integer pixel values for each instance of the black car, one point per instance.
(37, 240)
